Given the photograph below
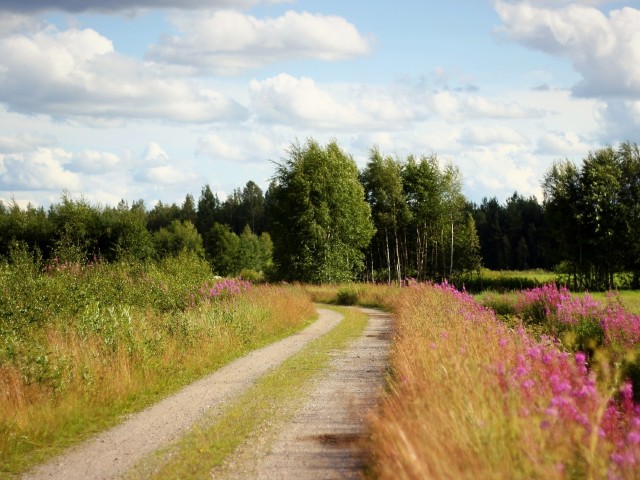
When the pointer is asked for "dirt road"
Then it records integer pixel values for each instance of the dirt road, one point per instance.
(321, 442)
(324, 439)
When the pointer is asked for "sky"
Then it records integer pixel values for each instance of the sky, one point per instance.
(153, 99)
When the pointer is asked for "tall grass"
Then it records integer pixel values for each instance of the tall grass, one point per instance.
(503, 280)
(80, 346)
(363, 294)
(472, 398)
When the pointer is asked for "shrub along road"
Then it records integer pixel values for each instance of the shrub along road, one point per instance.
(331, 421)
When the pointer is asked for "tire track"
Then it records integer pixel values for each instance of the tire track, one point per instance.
(325, 438)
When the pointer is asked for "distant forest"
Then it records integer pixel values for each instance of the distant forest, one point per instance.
(322, 220)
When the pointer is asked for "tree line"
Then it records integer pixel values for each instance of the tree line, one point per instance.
(230, 234)
(324, 220)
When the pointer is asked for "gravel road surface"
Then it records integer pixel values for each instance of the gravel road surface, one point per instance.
(324, 439)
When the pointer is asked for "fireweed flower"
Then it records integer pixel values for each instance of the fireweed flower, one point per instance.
(225, 288)
(556, 388)
(552, 304)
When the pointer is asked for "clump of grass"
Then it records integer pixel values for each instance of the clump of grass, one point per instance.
(471, 398)
(105, 340)
(363, 294)
(347, 295)
(503, 304)
(503, 280)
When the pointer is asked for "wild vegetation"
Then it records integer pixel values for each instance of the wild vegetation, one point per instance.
(394, 219)
(103, 310)
(82, 344)
(319, 218)
(471, 396)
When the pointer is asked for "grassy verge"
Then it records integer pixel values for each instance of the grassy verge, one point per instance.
(471, 398)
(363, 294)
(207, 446)
(73, 379)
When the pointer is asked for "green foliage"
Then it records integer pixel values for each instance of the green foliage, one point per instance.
(252, 275)
(162, 215)
(320, 221)
(382, 181)
(502, 305)
(512, 235)
(124, 235)
(208, 210)
(30, 297)
(593, 213)
(188, 212)
(222, 247)
(422, 229)
(347, 295)
(467, 247)
(231, 254)
(504, 280)
(179, 236)
(74, 222)
(83, 344)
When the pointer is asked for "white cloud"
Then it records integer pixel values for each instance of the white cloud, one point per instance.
(230, 42)
(288, 100)
(604, 49)
(94, 162)
(457, 106)
(154, 154)
(125, 5)
(561, 3)
(301, 102)
(14, 23)
(77, 74)
(155, 166)
(240, 146)
(501, 170)
(562, 144)
(42, 169)
(24, 142)
(166, 175)
(490, 135)
(621, 119)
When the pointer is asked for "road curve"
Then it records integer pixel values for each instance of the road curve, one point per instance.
(111, 453)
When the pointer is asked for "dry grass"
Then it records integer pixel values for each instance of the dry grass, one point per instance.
(456, 406)
(363, 294)
(94, 381)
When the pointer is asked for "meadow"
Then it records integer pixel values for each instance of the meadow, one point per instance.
(474, 394)
(535, 383)
(82, 345)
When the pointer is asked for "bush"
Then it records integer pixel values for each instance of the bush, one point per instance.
(251, 275)
(347, 296)
(502, 305)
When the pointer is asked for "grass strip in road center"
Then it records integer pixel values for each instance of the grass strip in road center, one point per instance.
(207, 445)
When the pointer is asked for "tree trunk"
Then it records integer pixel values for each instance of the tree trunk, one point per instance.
(451, 262)
(386, 236)
(398, 267)
(418, 253)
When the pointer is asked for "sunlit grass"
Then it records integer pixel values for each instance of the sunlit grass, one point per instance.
(104, 380)
(538, 275)
(363, 294)
(630, 299)
(472, 398)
